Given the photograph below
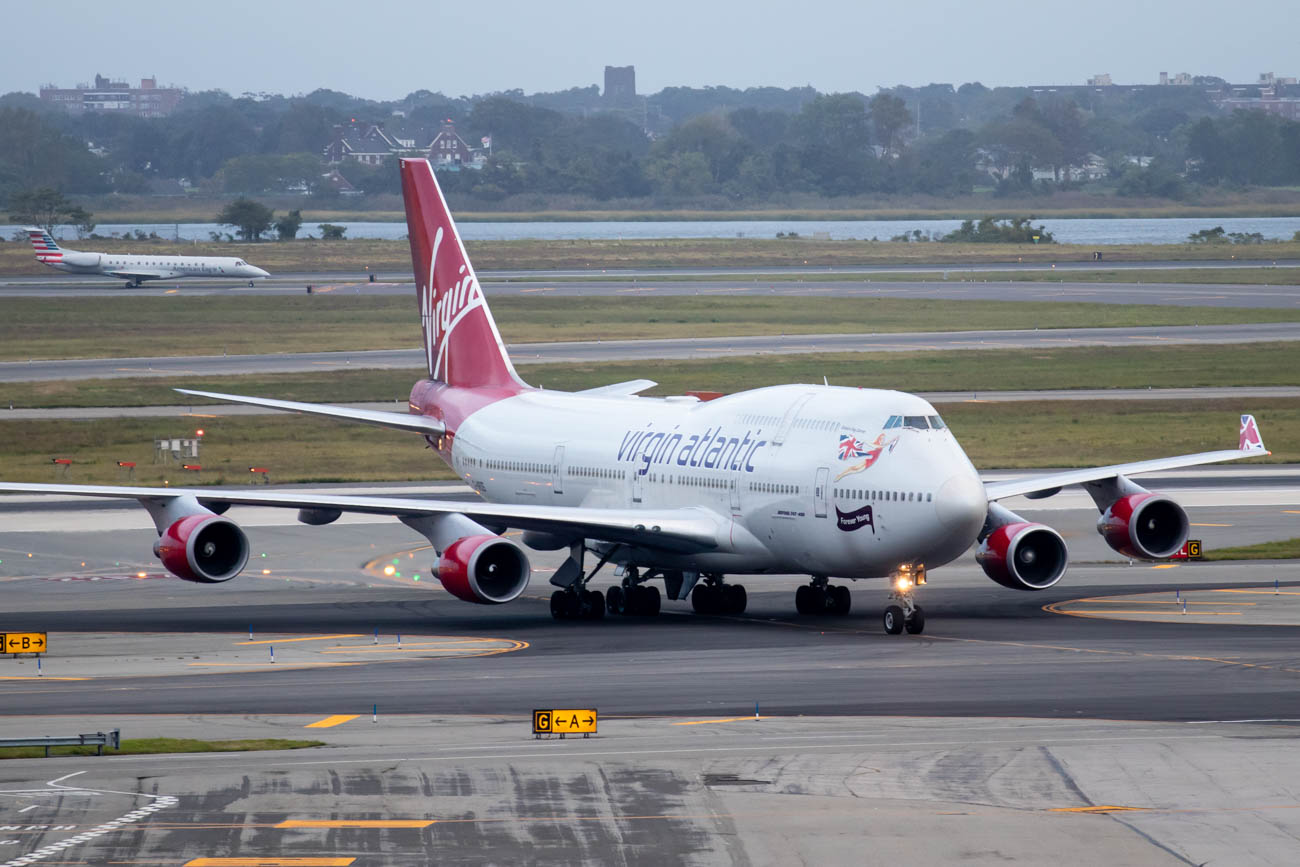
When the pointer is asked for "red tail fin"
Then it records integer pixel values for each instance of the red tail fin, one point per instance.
(462, 346)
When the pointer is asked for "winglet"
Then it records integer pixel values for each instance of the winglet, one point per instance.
(1249, 439)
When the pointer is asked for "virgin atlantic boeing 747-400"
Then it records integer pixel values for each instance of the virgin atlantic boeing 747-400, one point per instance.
(829, 482)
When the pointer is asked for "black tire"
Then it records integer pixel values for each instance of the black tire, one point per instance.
(615, 601)
(559, 606)
(916, 623)
(893, 620)
(593, 605)
(736, 598)
(704, 599)
(841, 600)
(650, 600)
(802, 602)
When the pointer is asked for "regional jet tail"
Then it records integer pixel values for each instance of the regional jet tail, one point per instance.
(136, 269)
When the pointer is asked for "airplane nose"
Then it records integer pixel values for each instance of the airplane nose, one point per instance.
(258, 272)
(962, 504)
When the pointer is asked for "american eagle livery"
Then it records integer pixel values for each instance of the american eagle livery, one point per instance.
(136, 269)
(833, 483)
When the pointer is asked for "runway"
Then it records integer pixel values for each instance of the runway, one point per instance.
(657, 349)
(951, 282)
(1005, 732)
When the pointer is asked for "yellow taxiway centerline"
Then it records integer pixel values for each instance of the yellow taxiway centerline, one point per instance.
(331, 721)
(308, 638)
(356, 823)
(705, 722)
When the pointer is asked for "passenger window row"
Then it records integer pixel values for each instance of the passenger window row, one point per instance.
(883, 496)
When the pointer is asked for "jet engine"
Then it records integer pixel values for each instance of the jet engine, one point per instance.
(485, 569)
(1019, 554)
(1144, 526)
(81, 260)
(203, 548)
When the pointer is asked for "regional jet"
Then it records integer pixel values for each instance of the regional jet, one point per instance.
(839, 484)
(136, 269)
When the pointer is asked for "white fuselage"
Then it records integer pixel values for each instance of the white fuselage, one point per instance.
(809, 478)
(133, 267)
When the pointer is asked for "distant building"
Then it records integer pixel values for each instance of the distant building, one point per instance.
(620, 86)
(449, 151)
(361, 142)
(1268, 101)
(1101, 79)
(118, 97)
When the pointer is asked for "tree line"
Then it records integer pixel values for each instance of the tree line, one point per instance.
(720, 145)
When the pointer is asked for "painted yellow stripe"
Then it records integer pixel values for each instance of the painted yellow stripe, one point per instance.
(1212, 525)
(1100, 808)
(1145, 612)
(308, 638)
(705, 722)
(270, 862)
(1262, 592)
(330, 721)
(1128, 600)
(1165, 566)
(356, 823)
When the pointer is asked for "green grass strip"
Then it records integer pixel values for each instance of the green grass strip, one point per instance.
(152, 746)
(1285, 549)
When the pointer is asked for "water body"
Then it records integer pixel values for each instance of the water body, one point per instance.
(1168, 230)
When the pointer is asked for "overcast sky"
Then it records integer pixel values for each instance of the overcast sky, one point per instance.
(383, 50)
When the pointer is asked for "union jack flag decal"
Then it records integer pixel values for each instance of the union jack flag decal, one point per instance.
(851, 447)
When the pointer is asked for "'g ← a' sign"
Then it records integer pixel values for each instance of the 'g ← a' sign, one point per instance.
(565, 721)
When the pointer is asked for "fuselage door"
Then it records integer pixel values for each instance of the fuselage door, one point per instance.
(636, 485)
(819, 492)
(557, 471)
(734, 483)
(788, 420)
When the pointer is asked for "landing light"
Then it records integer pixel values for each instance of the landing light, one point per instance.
(903, 582)
(389, 570)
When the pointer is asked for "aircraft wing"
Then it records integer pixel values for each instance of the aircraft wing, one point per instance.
(1249, 445)
(617, 389)
(140, 274)
(396, 420)
(684, 530)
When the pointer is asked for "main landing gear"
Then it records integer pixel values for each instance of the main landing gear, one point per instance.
(575, 601)
(134, 284)
(633, 598)
(820, 597)
(712, 596)
(906, 614)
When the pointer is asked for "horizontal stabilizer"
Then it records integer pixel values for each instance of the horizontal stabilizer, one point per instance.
(379, 418)
(631, 387)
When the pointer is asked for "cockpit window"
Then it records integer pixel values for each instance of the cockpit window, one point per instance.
(894, 421)
(936, 422)
(916, 421)
(239, 263)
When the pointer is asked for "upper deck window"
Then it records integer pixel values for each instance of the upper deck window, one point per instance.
(916, 421)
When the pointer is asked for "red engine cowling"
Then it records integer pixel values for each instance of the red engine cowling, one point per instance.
(205, 549)
(1023, 556)
(485, 569)
(1144, 526)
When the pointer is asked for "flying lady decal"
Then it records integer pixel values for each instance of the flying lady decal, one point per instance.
(853, 449)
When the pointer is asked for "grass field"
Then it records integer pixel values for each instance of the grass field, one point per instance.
(956, 370)
(296, 449)
(1285, 549)
(152, 746)
(395, 256)
(130, 326)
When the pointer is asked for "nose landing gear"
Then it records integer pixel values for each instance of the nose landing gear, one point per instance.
(906, 614)
(821, 597)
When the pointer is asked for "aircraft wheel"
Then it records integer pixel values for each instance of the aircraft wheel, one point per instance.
(841, 600)
(559, 605)
(893, 620)
(650, 601)
(916, 623)
(704, 599)
(615, 601)
(736, 598)
(593, 605)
